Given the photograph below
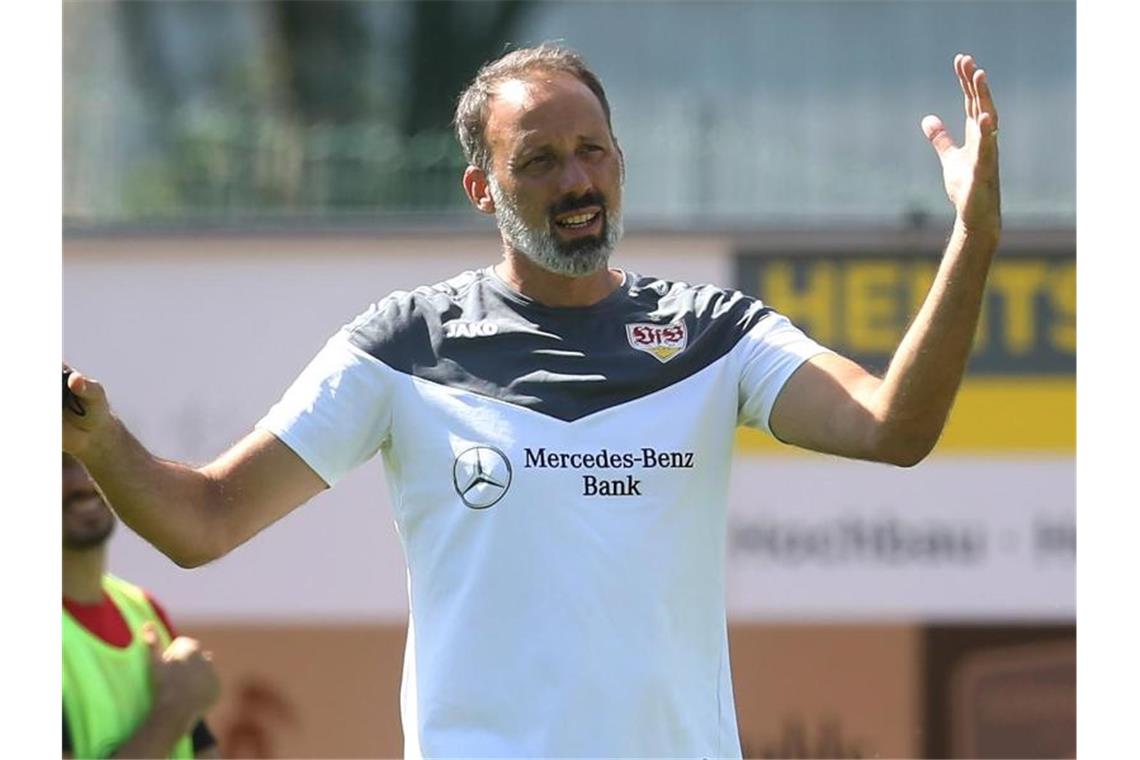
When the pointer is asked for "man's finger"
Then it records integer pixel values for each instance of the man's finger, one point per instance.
(84, 387)
(939, 137)
(78, 383)
(181, 648)
(987, 146)
(970, 67)
(150, 636)
(985, 97)
(964, 83)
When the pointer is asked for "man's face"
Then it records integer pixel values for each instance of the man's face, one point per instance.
(87, 520)
(556, 173)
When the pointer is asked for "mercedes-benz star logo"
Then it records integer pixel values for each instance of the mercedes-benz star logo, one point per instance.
(482, 474)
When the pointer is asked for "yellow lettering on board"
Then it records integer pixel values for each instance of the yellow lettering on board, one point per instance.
(1018, 282)
(871, 298)
(809, 307)
(1063, 294)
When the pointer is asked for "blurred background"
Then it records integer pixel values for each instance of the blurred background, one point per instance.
(240, 179)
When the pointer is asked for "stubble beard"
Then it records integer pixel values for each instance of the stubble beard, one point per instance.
(91, 539)
(83, 534)
(575, 258)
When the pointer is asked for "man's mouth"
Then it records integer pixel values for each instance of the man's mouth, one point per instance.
(580, 220)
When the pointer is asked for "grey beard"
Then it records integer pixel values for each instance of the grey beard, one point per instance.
(541, 247)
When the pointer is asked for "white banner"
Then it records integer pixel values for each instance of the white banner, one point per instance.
(953, 538)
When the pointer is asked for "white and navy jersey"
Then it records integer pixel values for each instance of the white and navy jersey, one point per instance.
(559, 479)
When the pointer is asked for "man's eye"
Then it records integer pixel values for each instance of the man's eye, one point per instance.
(537, 162)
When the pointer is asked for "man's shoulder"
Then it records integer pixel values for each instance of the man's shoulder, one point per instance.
(413, 314)
(120, 591)
(703, 303)
(116, 586)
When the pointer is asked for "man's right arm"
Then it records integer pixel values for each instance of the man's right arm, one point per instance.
(192, 515)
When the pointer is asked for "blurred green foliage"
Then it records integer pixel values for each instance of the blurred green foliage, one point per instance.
(295, 105)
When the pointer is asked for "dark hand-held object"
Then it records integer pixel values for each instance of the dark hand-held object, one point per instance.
(70, 400)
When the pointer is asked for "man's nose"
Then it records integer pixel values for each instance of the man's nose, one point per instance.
(575, 179)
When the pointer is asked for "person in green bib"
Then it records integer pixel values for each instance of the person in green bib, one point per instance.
(131, 686)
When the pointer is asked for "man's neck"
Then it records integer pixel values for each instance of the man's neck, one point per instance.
(83, 574)
(550, 289)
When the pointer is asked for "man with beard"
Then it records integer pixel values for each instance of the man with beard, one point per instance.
(131, 686)
(557, 436)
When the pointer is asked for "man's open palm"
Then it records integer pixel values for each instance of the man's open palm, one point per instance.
(970, 170)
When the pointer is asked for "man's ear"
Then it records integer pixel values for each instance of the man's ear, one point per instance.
(478, 189)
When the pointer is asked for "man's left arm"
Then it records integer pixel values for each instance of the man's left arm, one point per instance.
(830, 404)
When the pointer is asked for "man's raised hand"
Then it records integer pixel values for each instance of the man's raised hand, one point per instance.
(970, 170)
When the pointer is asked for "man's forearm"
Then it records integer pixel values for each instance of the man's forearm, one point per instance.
(918, 390)
(174, 507)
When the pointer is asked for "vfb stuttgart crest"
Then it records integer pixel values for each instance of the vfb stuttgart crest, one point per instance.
(662, 341)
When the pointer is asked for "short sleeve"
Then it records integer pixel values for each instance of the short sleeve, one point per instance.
(337, 414)
(772, 349)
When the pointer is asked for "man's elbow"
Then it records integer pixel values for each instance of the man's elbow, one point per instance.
(904, 450)
(910, 457)
(208, 547)
(188, 561)
(190, 558)
(212, 536)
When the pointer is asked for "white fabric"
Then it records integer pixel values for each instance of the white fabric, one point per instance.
(554, 622)
(338, 412)
(773, 349)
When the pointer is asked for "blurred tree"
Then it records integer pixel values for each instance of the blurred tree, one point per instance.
(304, 104)
(328, 52)
(148, 65)
(447, 42)
(325, 54)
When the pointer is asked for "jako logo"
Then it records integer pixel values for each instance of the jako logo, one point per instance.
(469, 329)
(481, 475)
(662, 341)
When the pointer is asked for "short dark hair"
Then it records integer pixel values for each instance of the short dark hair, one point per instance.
(471, 112)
